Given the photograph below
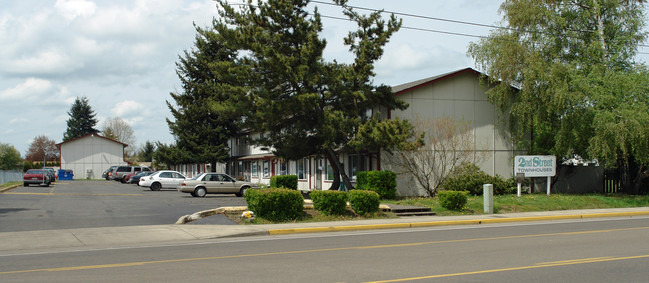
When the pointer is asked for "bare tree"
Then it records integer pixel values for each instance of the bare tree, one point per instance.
(42, 148)
(441, 145)
(118, 129)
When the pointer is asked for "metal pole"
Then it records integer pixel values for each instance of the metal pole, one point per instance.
(488, 196)
(548, 185)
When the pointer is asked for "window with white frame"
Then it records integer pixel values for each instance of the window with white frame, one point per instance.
(329, 171)
(283, 167)
(254, 169)
(300, 169)
(266, 168)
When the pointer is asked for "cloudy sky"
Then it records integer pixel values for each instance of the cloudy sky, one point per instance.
(121, 54)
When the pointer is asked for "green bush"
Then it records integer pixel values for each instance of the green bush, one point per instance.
(284, 181)
(364, 202)
(329, 202)
(452, 200)
(382, 182)
(276, 204)
(468, 177)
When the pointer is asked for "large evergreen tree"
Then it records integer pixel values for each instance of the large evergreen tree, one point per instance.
(580, 91)
(82, 120)
(201, 133)
(303, 104)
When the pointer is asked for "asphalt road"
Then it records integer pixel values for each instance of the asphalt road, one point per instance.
(603, 250)
(89, 204)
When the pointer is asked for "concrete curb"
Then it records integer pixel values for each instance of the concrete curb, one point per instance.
(205, 213)
(450, 222)
(9, 188)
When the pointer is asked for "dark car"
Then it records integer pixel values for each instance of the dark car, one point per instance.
(51, 173)
(36, 176)
(105, 175)
(135, 179)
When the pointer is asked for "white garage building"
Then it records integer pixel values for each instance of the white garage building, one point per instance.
(91, 155)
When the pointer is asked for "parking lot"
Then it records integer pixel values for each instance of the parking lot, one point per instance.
(86, 204)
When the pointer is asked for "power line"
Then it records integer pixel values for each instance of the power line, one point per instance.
(442, 20)
(425, 17)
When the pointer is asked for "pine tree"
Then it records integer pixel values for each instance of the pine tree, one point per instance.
(201, 133)
(303, 104)
(82, 120)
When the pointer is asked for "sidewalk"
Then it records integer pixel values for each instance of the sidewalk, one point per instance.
(21, 242)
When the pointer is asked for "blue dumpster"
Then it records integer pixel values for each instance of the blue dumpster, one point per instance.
(65, 174)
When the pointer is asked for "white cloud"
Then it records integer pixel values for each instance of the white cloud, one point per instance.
(49, 62)
(126, 108)
(29, 89)
(18, 121)
(71, 9)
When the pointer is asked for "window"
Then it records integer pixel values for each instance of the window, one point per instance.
(255, 172)
(300, 169)
(266, 169)
(354, 166)
(283, 167)
(329, 171)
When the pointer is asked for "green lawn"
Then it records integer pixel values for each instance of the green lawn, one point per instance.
(532, 202)
(6, 185)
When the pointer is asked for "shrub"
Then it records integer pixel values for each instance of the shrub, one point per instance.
(382, 182)
(468, 177)
(276, 204)
(284, 181)
(452, 200)
(364, 202)
(329, 202)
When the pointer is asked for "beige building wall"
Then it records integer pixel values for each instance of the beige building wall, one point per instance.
(90, 156)
(457, 95)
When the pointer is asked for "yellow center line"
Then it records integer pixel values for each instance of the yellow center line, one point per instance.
(569, 262)
(70, 194)
(127, 264)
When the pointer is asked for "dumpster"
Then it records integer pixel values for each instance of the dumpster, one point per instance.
(65, 174)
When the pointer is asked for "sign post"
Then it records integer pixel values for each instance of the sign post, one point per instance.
(535, 166)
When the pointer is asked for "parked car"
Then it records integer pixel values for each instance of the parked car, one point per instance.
(136, 178)
(51, 173)
(106, 174)
(214, 183)
(122, 171)
(36, 176)
(162, 179)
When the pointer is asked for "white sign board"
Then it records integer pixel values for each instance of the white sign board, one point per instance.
(535, 165)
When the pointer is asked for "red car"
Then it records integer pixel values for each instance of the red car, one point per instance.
(127, 178)
(36, 176)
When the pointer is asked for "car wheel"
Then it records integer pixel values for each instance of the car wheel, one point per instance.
(243, 191)
(155, 186)
(25, 185)
(200, 192)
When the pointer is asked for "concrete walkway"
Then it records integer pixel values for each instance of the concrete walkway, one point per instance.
(21, 242)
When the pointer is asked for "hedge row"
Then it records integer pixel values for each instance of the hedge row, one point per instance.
(276, 204)
(284, 181)
(335, 202)
(382, 182)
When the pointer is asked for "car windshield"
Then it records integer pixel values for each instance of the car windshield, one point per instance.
(197, 177)
(32, 171)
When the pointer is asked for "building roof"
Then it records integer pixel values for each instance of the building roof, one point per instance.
(403, 88)
(94, 135)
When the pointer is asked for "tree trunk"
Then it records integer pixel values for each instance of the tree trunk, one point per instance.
(338, 171)
(213, 166)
